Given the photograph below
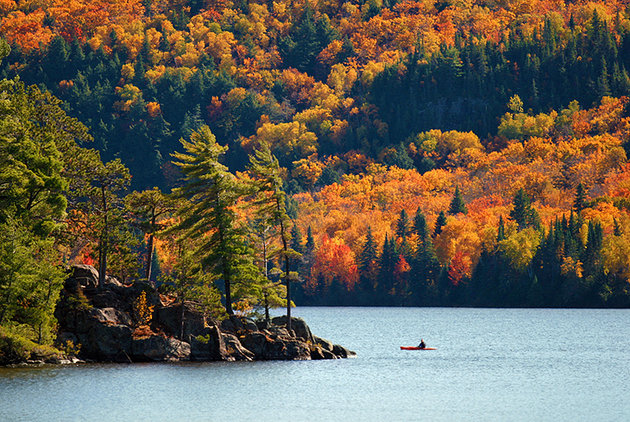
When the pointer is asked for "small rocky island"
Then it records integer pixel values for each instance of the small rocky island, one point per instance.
(100, 320)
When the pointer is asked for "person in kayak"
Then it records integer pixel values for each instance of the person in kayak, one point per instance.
(422, 345)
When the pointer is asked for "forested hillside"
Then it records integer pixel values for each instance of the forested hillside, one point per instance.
(467, 152)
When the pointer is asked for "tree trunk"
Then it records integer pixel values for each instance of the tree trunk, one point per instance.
(102, 256)
(181, 316)
(228, 292)
(150, 259)
(287, 278)
(150, 250)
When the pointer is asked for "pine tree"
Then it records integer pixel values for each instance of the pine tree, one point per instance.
(580, 198)
(208, 216)
(439, 223)
(501, 230)
(420, 224)
(368, 261)
(457, 204)
(523, 212)
(271, 205)
(402, 225)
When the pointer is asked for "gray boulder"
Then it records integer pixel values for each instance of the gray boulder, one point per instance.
(325, 344)
(157, 348)
(110, 316)
(107, 342)
(235, 349)
(209, 346)
(266, 347)
(237, 325)
(342, 352)
(298, 325)
(170, 319)
(82, 276)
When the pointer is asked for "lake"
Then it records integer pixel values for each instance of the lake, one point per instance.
(490, 365)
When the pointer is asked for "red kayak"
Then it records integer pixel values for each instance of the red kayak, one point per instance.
(416, 348)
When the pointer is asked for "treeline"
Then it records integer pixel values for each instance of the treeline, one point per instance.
(141, 122)
(465, 86)
(140, 93)
(530, 265)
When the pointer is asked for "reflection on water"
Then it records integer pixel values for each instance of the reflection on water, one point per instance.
(490, 364)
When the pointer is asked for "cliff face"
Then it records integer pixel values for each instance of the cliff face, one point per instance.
(101, 319)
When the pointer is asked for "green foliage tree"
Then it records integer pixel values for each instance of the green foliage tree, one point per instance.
(148, 209)
(439, 223)
(208, 216)
(402, 225)
(580, 198)
(523, 212)
(190, 283)
(271, 206)
(457, 204)
(30, 282)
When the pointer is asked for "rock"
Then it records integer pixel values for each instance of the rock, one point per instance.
(342, 352)
(267, 348)
(107, 342)
(208, 347)
(317, 353)
(157, 348)
(257, 344)
(328, 354)
(298, 325)
(276, 331)
(85, 275)
(237, 325)
(325, 344)
(249, 324)
(64, 337)
(169, 318)
(297, 350)
(110, 316)
(111, 281)
(235, 350)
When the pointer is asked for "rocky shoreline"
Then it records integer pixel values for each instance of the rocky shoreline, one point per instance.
(100, 321)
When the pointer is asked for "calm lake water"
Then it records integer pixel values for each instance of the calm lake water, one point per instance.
(491, 365)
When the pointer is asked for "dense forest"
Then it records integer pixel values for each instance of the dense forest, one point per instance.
(430, 153)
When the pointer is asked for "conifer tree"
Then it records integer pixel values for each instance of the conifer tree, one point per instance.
(402, 225)
(439, 223)
(148, 208)
(501, 230)
(368, 260)
(271, 204)
(457, 204)
(580, 198)
(523, 212)
(208, 216)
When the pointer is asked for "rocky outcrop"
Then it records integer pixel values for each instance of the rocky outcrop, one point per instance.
(101, 319)
(158, 348)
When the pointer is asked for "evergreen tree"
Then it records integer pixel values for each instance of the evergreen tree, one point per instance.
(523, 212)
(425, 265)
(420, 224)
(439, 223)
(368, 262)
(148, 208)
(402, 225)
(580, 198)
(501, 230)
(271, 203)
(387, 264)
(457, 204)
(208, 216)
